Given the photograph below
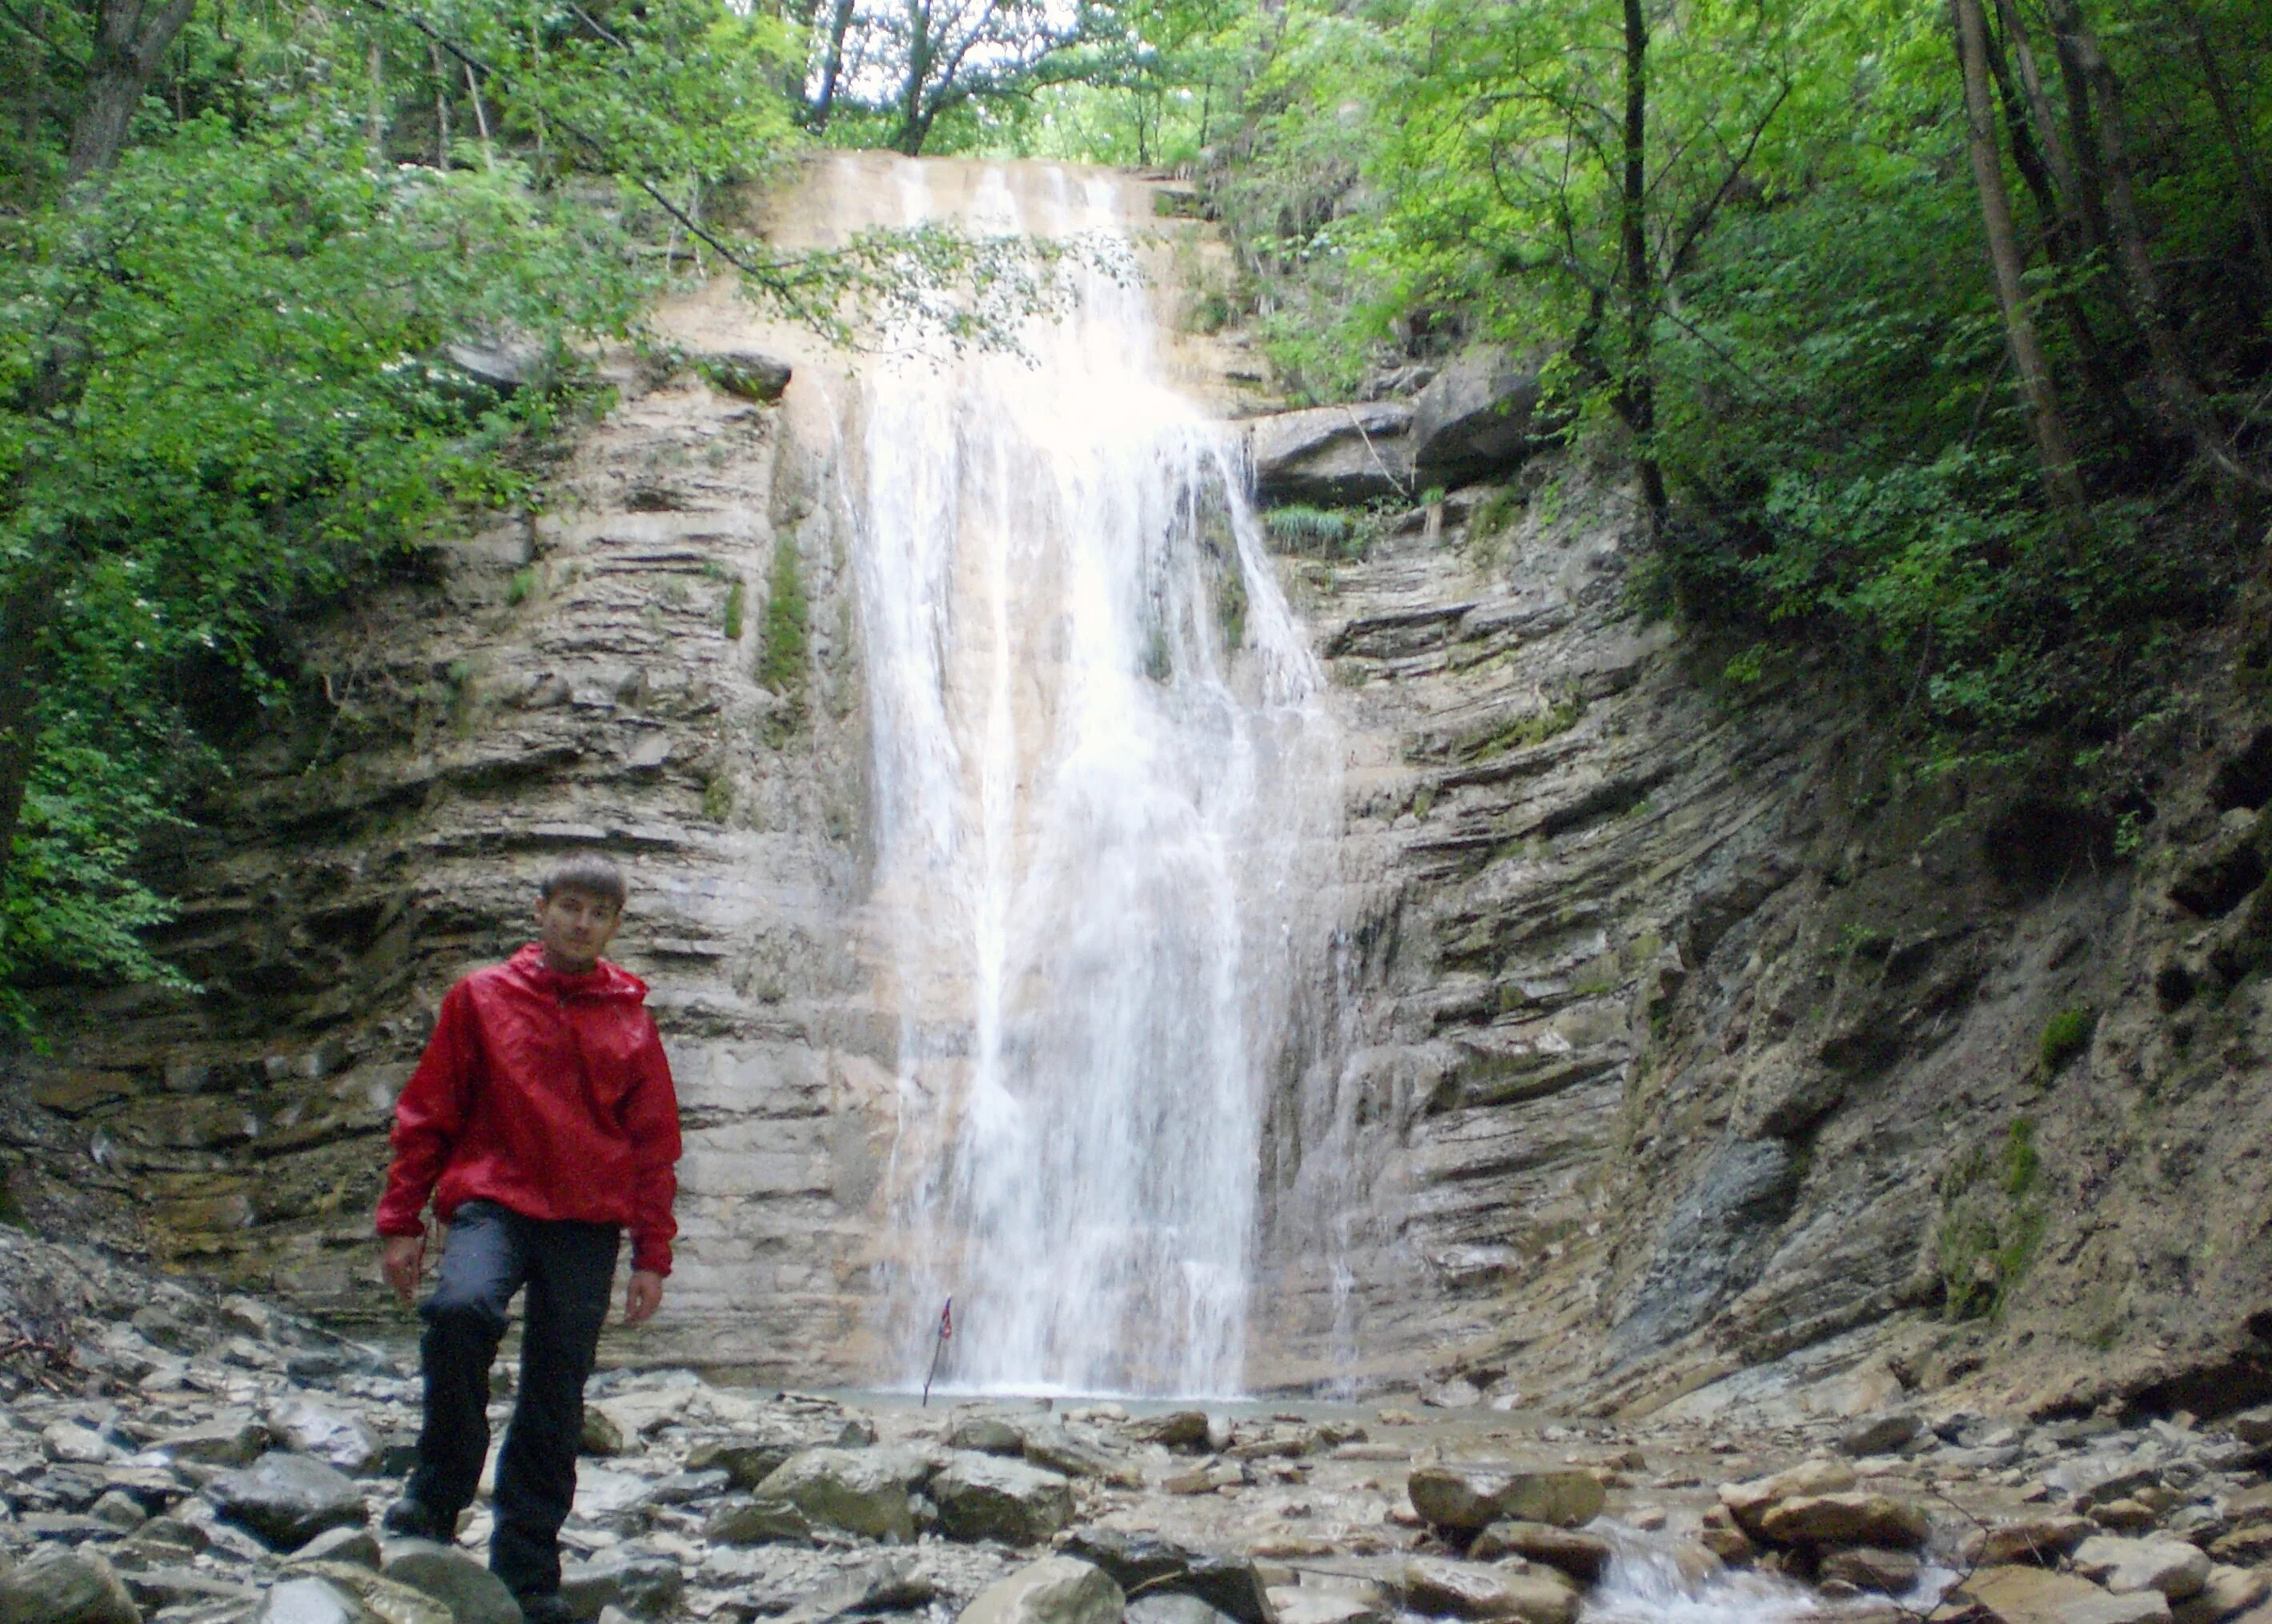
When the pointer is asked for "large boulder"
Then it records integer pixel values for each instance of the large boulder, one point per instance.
(1439, 1585)
(1147, 1562)
(473, 1594)
(860, 1491)
(1056, 1590)
(2024, 1595)
(66, 1587)
(1333, 456)
(987, 1497)
(1477, 418)
(1468, 1499)
(286, 1499)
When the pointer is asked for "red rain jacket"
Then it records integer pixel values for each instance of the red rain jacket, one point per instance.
(548, 1094)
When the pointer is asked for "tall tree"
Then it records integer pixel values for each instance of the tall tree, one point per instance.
(2006, 264)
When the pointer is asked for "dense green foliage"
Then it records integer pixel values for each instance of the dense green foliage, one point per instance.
(1802, 333)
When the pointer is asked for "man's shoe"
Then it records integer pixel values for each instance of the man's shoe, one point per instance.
(410, 1519)
(546, 1609)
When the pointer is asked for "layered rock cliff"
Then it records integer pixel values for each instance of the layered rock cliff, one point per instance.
(1678, 1043)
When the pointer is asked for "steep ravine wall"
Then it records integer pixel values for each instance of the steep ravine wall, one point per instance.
(1679, 1044)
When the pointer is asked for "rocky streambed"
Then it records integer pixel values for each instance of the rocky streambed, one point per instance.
(168, 1454)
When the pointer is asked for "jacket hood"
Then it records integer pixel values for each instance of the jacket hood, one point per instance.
(605, 980)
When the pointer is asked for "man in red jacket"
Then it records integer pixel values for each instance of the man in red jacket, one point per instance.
(543, 1122)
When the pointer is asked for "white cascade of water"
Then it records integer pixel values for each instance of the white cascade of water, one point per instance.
(1100, 769)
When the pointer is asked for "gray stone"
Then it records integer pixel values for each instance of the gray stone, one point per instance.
(394, 1601)
(601, 1436)
(2043, 1540)
(1334, 455)
(473, 1594)
(990, 1434)
(357, 1545)
(1060, 1449)
(1178, 1429)
(747, 1461)
(156, 1588)
(230, 1439)
(1173, 1607)
(1881, 1434)
(2230, 1590)
(986, 1497)
(1152, 1565)
(644, 1584)
(1869, 1568)
(312, 1601)
(66, 1587)
(887, 1584)
(310, 1429)
(745, 373)
(1470, 1498)
(505, 366)
(860, 1491)
(1439, 1585)
(2172, 1566)
(1750, 1501)
(1847, 1519)
(1477, 418)
(758, 1522)
(72, 1443)
(1056, 1590)
(286, 1499)
(1584, 1557)
(120, 1510)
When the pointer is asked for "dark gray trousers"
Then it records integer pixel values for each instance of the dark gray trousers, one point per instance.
(568, 1268)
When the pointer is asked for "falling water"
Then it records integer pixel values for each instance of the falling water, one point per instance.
(1100, 769)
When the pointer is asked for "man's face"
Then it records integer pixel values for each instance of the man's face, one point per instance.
(575, 928)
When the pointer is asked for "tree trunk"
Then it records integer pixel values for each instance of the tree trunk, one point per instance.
(1637, 391)
(2045, 165)
(2082, 145)
(2060, 478)
(130, 42)
(831, 67)
(2188, 407)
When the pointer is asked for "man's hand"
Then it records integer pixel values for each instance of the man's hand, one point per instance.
(401, 1259)
(642, 1297)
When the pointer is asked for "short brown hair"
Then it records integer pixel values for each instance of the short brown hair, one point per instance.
(585, 873)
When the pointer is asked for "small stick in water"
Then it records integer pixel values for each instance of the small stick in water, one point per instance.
(946, 1333)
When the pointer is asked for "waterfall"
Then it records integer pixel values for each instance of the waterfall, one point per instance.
(1099, 773)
